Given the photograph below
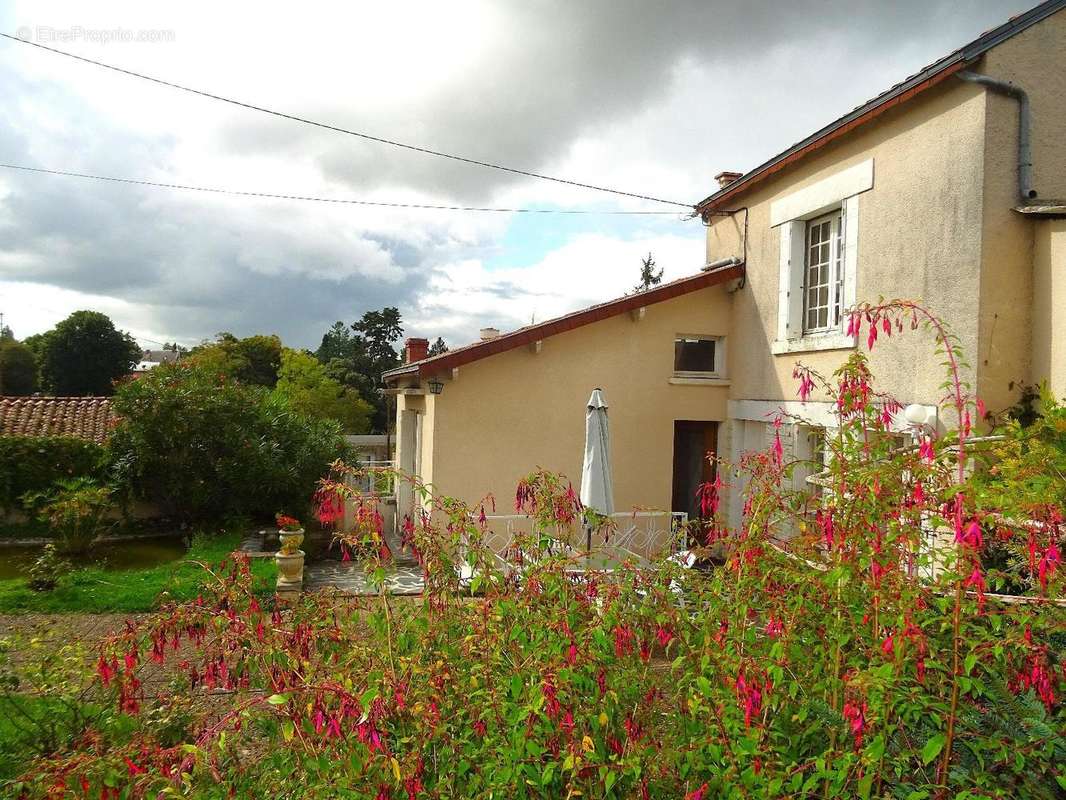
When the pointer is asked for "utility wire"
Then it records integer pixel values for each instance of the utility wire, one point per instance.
(338, 129)
(337, 200)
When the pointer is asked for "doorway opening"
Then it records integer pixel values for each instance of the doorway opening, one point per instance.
(693, 441)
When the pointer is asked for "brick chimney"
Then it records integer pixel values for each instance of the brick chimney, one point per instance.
(726, 178)
(415, 350)
(488, 334)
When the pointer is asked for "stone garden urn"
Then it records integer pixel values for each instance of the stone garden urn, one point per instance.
(290, 561)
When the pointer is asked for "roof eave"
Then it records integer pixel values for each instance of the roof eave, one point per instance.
(510, 341)
(930, 76)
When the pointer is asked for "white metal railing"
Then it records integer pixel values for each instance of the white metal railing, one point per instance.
(375, 478)
(645, 535)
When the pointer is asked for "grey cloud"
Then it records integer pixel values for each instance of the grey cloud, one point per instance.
(565, 69)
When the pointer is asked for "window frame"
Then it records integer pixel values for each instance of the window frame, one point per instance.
(719, 356)
(792, 336)
(834, 267)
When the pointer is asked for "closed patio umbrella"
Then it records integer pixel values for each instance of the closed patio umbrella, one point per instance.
(597, 491)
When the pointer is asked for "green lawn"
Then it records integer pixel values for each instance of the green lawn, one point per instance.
(94, 590)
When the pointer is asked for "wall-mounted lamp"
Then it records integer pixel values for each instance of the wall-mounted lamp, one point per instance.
(920, 419)
(436, 386)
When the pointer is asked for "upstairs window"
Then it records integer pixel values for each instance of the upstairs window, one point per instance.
(696, 356)
(822, 275)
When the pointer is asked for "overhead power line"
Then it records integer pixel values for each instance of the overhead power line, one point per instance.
(336, 200)
(338, 129)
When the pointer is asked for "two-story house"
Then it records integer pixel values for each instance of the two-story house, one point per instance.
(948, 188)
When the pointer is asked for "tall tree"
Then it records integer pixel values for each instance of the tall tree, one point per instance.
(85, 354)
(358, 358)
(253, 360)
(18, 368)
(438, 347)
(305, 384)
(337, 342)
(649, 276)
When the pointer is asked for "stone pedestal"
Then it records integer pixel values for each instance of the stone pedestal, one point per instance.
(290, 573)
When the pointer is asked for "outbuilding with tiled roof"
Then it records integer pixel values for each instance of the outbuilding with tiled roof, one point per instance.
(90, 418)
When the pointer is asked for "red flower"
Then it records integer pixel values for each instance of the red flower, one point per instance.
(1048, 562)
(855, 714)
(664, 635)
(133, 768)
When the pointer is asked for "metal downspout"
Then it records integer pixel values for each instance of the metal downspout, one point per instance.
(1025, 156)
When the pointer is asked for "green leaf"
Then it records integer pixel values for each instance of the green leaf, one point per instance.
(876, 748)
(288, 730)
(969, 662)
(933, 747)
(278, 699)
(609, 779)
(865, 783)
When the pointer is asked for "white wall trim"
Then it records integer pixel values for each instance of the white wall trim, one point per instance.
(820, 413)
(823, 195)
(814, 343)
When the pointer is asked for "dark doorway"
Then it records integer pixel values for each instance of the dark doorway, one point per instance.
(692, 442)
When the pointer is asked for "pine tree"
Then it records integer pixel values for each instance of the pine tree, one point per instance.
(649, 276)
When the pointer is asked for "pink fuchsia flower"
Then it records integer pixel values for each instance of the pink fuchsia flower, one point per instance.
(824, 519)
(750, 694)
(133, 768)
(970, 535)
(664, 635)
(806, 386)
(623, 640)
(778, 450)
(571, 654)
(106, 670)
(774, 627)
(925, 450)
(601, 682)
(1049, 561)
(698, 794)
(479, 727)
(888, 646)
(552, 707)
(1040, 679)
(709, 496)
(855, 714)
(329, 506)
(634, 730)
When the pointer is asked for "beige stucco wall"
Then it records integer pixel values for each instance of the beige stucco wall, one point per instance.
(938, 226)
(509, 413)
(918, 238)
(1049, 305)
(1011, 336)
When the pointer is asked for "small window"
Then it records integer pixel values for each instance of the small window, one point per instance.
(696, 354)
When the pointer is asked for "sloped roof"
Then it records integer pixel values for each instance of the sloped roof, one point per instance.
(531, 333)
(90, 418)
(905, 90)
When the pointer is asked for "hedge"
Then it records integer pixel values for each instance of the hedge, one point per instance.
(34, 463)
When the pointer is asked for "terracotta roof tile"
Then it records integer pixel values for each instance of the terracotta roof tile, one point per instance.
(89, 418)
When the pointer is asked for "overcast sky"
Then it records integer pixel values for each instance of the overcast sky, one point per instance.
(648, 97)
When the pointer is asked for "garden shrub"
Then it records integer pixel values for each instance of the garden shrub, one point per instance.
(74, 511)
(30, 464)
(203, 446)
(843, 650)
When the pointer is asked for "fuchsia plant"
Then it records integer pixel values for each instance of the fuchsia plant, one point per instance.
(852, 645)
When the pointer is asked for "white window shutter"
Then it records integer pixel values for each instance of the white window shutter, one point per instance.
(797, 246)
(784, 281)
(850, 223)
